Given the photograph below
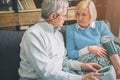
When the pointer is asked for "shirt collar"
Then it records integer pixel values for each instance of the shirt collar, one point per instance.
(92, 25)
(48, 26)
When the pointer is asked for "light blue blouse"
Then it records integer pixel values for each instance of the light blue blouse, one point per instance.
(77, 38)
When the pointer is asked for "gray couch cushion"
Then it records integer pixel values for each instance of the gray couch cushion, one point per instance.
(9, 54)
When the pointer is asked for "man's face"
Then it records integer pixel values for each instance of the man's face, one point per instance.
(59, 21)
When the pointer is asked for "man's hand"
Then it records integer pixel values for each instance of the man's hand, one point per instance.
(91, 76)
(91, 66)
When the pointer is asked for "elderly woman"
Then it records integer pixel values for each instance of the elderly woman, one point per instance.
(89, 40)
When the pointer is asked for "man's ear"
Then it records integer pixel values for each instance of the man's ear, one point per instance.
(52, 16)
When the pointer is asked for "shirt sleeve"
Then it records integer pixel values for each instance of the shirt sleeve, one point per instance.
(83, 51)
(39, 59)
(106, 34)
(72, 64)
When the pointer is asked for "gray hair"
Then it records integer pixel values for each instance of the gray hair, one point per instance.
(50, 6)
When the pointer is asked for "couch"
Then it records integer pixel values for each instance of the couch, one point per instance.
(9, 53)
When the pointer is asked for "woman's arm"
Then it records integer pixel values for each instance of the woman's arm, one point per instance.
(72, 52)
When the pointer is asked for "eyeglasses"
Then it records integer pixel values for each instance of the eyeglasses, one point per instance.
(64, 15)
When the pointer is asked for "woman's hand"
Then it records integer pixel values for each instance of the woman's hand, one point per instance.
(100, 51)
(91, 76)
(90, 67)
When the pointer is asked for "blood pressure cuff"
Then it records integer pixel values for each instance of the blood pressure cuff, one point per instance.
(111, 48)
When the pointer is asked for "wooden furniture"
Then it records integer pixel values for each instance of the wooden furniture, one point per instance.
(25, 17)
(28, 17)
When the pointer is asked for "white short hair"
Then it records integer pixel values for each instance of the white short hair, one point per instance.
(50, 6)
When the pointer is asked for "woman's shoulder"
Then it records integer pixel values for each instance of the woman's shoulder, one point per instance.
(100, 24)
(71, 26)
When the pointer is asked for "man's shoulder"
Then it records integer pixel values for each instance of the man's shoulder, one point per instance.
(34, 29)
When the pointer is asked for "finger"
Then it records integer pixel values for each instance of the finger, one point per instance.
(99, 78)
(97, 66)
(100, 54)
(93, 69)
(95, 76)
(103, 51)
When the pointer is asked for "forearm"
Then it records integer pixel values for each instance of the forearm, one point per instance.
(115, 59)
(72, 64)
(113, 52)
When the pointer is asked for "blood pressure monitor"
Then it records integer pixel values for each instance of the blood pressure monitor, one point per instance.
(107, 73)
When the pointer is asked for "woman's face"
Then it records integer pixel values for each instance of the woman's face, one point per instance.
(83, 18)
